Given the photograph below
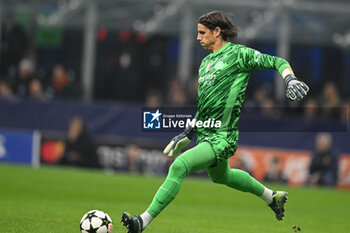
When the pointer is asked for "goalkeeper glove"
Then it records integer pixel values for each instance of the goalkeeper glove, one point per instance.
(179, 142)
(296, 90)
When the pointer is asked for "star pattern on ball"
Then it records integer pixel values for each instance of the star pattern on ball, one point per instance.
(96, 220)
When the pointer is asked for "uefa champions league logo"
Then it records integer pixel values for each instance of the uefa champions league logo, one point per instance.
(152, 119)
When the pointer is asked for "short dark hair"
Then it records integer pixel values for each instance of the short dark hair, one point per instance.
(219, 19)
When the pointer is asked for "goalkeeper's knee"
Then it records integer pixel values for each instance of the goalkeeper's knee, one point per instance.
(179, 168)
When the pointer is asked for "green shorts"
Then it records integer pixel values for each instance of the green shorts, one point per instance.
(222, 148)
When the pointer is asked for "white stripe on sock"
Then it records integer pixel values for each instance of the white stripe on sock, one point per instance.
(146, 219)
(267, 196)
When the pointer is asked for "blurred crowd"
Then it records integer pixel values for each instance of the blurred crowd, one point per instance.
(24, 82)
(329, 105)
(322, 169)
(21, 77)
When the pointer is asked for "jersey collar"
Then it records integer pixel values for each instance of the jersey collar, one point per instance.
(221, 49)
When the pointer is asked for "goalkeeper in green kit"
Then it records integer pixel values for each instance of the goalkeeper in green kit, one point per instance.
(223, 78)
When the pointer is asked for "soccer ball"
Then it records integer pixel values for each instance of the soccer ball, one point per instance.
(96, 221)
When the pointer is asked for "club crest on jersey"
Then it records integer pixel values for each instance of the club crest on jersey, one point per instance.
(219, 65)
(208, 67)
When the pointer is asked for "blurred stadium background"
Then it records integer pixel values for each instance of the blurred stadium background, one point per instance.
(75, 74)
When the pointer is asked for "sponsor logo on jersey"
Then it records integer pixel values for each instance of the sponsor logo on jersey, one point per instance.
(208, 79)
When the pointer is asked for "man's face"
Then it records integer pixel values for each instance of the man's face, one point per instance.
(206, 37)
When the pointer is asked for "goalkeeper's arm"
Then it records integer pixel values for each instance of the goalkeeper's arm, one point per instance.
(296, 90)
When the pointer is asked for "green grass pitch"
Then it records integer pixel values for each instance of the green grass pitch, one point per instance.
(53, 200)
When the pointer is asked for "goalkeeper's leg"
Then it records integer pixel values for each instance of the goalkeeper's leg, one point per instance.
(241, 180)
(234, 178)
(195, 159)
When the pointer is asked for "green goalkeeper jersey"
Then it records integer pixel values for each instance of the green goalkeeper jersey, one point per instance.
(223, 78)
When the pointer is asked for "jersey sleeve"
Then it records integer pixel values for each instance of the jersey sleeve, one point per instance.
(251, 59)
